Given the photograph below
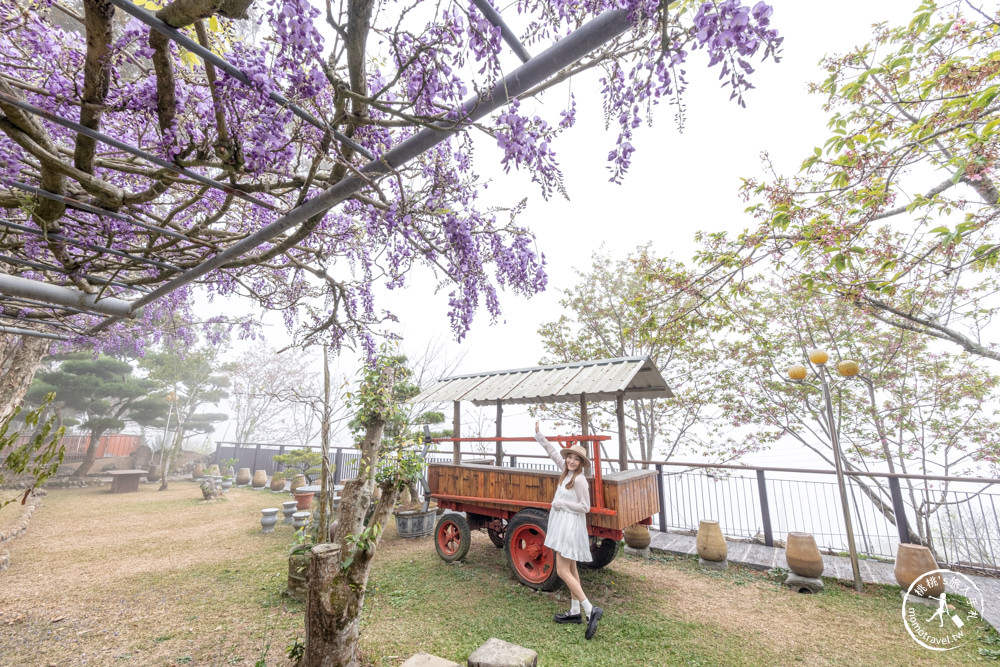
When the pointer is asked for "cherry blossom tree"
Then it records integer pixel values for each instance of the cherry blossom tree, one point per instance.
(611, 312)
(896, 211)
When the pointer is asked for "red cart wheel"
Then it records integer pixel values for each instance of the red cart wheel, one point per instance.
(532, 562)
(452, 537)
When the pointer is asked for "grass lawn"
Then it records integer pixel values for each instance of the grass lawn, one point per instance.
(163, 578)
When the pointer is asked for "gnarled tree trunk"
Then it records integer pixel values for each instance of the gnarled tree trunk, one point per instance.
(19, 359)
(338, 573)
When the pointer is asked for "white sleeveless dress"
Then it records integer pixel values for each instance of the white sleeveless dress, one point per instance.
(567, 529)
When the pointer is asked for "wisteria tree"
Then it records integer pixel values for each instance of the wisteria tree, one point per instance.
(896, 211)
(226, 151)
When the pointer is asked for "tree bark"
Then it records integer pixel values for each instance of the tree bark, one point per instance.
(336, 592)
(19, 359)
(91, 455)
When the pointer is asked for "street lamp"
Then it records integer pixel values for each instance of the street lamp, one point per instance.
(847, 368)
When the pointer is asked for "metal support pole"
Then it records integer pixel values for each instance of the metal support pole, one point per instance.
(765, 511)
(338, 462)
(499, 448)
(456, 432)
(899, 510)
(622, 444)
(858, 585)
(663, 500)
(62, 296)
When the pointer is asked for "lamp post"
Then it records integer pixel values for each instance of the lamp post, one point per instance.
(797, 373)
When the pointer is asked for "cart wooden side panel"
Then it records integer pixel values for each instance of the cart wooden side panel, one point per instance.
(632, 494)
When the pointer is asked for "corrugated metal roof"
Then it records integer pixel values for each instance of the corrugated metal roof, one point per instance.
(601, 380)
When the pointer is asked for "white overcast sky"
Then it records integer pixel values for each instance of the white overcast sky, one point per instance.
(678, 183)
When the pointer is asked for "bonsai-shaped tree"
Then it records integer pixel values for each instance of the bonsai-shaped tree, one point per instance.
(305, 461)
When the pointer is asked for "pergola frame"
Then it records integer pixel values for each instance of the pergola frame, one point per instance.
(534, 71)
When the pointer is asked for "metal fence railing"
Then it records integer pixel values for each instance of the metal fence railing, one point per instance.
(764, 504)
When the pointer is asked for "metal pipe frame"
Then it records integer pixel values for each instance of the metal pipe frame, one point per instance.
(560, 55)
(138, 152)
(89, 246)
(38, 266)
(206, 54)
(17, 331)
(57, 325)
(63, 296)
(87, 208)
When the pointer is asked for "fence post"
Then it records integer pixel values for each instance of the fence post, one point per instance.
(218, 455)
(899, 510)
(663, 502)
(765, 511)
(338, 461)
(513, 461)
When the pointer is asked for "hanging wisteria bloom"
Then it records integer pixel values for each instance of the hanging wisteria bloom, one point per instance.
(152, 153)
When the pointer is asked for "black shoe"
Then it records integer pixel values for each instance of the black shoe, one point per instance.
(595, 616)
(567, 617)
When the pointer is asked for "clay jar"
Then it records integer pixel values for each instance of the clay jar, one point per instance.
(912, 562)
(259, 479)
(637, 536)
(278, 482)
(153, 474)
(297, 481)
(803, 555)
(711, 544)
(198, 471)
(243, 477)
(304, 500)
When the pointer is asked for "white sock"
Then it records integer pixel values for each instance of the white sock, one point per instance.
(586, 607)
(574, 607)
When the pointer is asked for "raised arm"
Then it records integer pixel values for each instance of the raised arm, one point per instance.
(550, 449)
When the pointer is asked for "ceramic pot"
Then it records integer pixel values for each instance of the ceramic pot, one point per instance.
(278, 482)
(198, 471)
(288, 508)
(153, 475)
(226, 485)
(259, 479)
(711, 544)
(300, 519)
(304, 500)
(243, 477)
(913, 561)
(802, 555)
(268, 518)
(297, 481)
(637, 536)
(415, 523)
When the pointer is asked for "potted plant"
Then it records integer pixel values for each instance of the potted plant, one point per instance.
(404, 472)
(227, 474)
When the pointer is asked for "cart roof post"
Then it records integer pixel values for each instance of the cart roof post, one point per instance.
(598, 380)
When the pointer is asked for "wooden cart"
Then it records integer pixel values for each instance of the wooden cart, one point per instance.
(512, 506)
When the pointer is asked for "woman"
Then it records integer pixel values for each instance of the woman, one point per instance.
(567, 530)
